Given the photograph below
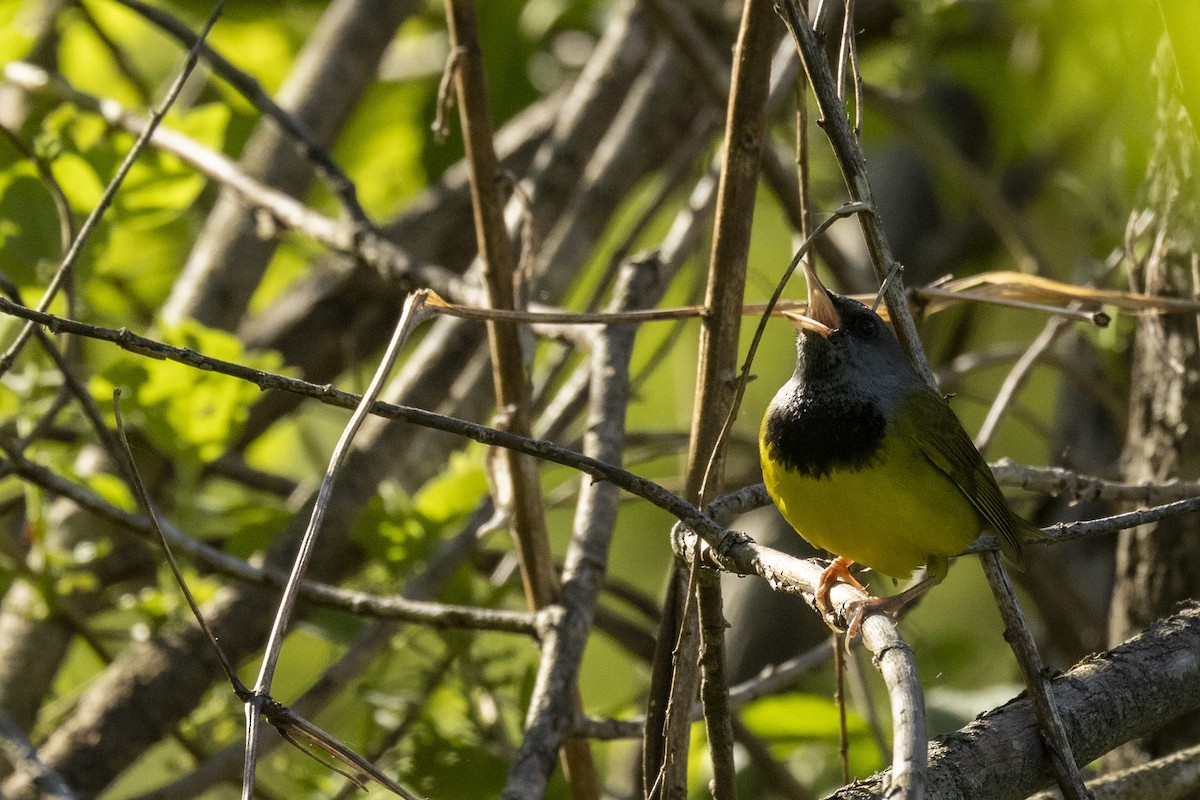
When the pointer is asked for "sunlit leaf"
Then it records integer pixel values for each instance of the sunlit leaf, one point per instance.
(796, 717)
(456, 492)
(29, 237)
(191, 414)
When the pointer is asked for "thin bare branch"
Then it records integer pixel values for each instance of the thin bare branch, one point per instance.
(1172, 777)
(22, 757)
(1082, 488)
(508, 361)
(410, 317)
(1113, 697)
(499, 265)
(1037, 682)
(143, 498)
(648, 490)
(1016, 379)
(552, 706)
(284, 210)
(848, 152)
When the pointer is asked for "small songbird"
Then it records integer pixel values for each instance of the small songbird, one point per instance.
(867, 461)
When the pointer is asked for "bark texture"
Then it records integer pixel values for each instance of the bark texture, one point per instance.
(1158, 566)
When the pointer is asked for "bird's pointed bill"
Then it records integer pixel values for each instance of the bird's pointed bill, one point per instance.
(820, 305)
(807, 323)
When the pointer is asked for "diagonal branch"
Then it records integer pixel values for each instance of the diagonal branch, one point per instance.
(1109, 698)
(411, 316)
(252, 90)
(850, 159)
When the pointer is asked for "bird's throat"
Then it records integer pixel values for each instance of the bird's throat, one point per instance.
(817, 433)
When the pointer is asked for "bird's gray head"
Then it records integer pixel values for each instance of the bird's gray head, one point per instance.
(856, 352)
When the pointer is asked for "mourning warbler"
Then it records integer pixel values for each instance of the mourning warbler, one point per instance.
(865, 460)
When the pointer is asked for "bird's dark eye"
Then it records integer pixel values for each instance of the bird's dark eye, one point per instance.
(863, 327)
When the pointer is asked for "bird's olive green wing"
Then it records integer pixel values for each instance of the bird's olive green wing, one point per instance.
(948, 447)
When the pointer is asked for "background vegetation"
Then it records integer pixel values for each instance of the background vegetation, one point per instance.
(1047, 138)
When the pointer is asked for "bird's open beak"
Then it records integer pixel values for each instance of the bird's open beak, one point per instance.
(806, 323)
(822, 317)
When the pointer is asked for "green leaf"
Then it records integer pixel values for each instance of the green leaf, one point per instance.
(390, 530)
(157, 189)
(381, 148)
(205, 124)
(798, 717)
(1181, 19)
(16, 36)
(190, 413)
(79, 181)
(112, 489)
(454, 493)
(29, 239)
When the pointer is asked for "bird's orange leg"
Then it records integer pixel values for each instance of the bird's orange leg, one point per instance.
(838, 571)
(892, 606)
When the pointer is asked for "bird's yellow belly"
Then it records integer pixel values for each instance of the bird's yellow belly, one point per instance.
(890, 516)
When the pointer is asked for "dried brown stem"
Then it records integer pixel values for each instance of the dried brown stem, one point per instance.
(508, 361)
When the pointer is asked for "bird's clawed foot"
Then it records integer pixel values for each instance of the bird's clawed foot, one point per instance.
(891, 606)
(837, 572)
(861, 609)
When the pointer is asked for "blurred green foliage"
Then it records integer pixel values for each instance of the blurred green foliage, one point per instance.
(1062, 88)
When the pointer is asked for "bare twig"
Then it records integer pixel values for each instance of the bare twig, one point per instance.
(1016, 378)
(1098, 318)
(552, 706)
(851, 162)
(675, 674)
(1113, 696)
(284, 210)
(1172, 777)
(359, 603)
(1067, 531)
(1052, 479)
(1037, 682)
(411, 316)
(1082, 488)
(143, 498)
(716, 398)
(508, 361)
(22, 757)
(294, 728)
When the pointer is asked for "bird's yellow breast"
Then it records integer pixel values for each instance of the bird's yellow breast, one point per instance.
(891, 515)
